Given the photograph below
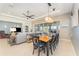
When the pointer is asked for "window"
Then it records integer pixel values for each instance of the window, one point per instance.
(26, 28)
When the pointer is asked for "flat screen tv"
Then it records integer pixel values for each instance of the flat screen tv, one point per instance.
(18, 29)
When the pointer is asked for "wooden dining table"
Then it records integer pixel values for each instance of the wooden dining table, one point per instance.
(45, 39)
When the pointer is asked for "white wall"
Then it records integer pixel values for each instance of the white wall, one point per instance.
(75, 28)
(16, 20)
(64, 26)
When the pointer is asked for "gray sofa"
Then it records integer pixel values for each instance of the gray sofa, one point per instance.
(21, 37)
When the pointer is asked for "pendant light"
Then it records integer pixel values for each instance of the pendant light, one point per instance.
(48, 19)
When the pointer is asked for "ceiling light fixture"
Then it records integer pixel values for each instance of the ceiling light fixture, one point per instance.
(48, 18)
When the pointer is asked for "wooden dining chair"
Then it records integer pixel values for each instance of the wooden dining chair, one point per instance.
(55, 41)
(52, 43)
(37, 44)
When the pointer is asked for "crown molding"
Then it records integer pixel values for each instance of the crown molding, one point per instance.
(11, 16)
(25, 19)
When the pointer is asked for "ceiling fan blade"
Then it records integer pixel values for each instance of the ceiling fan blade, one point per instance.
(32, 18)
(32, 15)
(25, 15)
(28, 16)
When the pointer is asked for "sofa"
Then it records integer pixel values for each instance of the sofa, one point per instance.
(21, 37)
(2, 34)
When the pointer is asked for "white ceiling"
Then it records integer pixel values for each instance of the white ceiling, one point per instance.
(37, 9)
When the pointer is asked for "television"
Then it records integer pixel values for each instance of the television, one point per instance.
(18, 29)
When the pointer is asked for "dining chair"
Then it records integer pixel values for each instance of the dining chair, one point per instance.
(38, 45)
(56, 41)
(52, 43)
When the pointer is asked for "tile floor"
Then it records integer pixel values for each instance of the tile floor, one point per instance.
(65, 48)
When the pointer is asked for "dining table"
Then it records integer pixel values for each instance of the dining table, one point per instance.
(46, 39)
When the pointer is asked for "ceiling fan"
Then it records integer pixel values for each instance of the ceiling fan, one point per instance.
(28, 16)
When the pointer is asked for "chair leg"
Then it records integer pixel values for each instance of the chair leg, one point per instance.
(38, 51)
(54, 47)
(44, 50)
(51, 49)
(33, 50)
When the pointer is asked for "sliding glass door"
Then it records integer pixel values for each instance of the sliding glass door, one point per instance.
(47, 27)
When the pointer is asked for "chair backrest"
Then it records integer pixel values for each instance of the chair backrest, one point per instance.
(35, 40)
(57, 36)
(53, 39)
